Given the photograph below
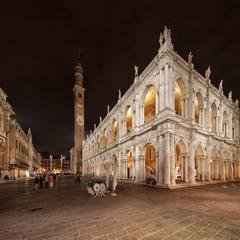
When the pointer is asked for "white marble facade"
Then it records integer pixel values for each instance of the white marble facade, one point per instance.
(172, 124)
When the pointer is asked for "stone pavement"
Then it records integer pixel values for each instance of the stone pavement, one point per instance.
(138, 212)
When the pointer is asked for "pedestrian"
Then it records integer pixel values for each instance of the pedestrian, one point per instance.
(77, 179)
(36, 182)
(46, 181)
(41, 181)
(50, 180)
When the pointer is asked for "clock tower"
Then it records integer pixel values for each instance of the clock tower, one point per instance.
(78, 116)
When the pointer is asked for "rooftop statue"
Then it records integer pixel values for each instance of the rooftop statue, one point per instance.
(230, 95)
(136, 70)
(119, 94)
(190, 57)
(221, 86)
(161, 39)
(208, 73)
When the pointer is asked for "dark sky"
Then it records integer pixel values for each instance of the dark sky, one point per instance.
(39, 41)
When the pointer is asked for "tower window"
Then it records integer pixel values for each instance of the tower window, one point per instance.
(79, 95)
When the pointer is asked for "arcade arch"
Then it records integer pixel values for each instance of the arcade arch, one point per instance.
(150, 104)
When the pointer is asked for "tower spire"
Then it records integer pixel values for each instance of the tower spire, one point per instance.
(79, 69)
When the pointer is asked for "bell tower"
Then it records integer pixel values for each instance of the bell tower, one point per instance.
(78, 114)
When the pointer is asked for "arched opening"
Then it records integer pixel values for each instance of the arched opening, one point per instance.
(233, 128)
(128, 120)
(199, 167)
(1, 159)
(150, 160)
(105, 137)
(198, 108)
(150, 104)
(130, 163)
(213, 117)
(180, 162)
(115, 130)
(178, 97)
(224, 124)
(98, 142)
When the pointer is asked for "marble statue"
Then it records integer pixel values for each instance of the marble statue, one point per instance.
(136, 70)
(230, 95)
(237, 103)
(94, 126)
(108, 108)
(190, 57)
(207, 73)
(115, 173)
(220, 88)
(119, 94)
(161, 39)
(100, 119)
(167, 35)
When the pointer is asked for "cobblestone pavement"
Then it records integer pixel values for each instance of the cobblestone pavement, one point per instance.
(137, 212)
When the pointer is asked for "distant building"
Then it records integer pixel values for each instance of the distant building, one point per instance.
(60, 164)
(18, 156)
(172, 125)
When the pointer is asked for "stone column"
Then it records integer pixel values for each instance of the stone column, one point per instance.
(137, 167)
(167, 160)
(185, 161)
(172, 161)
(203, 158)
(161, 89)
(191, 163)
(160, 160)
(166, 92)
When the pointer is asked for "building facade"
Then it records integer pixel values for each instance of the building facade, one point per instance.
(172, 124)
(18, 156)
(56, 164)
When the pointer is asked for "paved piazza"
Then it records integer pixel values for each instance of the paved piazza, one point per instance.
(138, 212)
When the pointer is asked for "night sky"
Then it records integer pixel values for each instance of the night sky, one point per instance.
(39, 41)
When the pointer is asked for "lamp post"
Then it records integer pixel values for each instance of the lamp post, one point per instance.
(51, 158)
(62, 159)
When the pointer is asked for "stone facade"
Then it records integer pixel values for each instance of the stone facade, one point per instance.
(18, 156)
(172, 125)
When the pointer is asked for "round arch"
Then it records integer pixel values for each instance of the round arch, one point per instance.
(150, 160)
(149, 103)
(179, 93)
(128, 119)
(198, 108)
(180, 161)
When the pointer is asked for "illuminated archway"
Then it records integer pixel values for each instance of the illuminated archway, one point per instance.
(115, 130)
(105, 137)
(179, 92)
(198, 108)
(214, 163)
(225, 124)
(128, 120)
(180, 162)
(150, 160)
(130, 163)
(150, 104)
(213, 117)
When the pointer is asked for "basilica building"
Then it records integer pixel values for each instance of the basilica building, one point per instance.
(172, 125)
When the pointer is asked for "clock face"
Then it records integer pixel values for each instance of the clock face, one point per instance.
(80, 120)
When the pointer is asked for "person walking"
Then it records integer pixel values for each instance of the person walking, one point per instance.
(36, 183)
(77, 178)
(50, 180)
(41, 181)
(46, 181)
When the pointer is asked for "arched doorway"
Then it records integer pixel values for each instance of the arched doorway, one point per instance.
(180, 162)
(199, 164)
(213, 117)
(128, 120)
(150, 161)
(150, 104)
(179, 92)
(225, 124)
(115, 130)
(198, 108)
(130, 163)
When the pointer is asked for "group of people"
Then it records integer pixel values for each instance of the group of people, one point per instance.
(45, 181)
